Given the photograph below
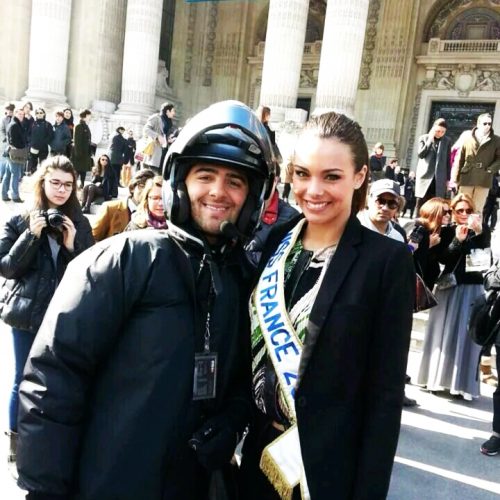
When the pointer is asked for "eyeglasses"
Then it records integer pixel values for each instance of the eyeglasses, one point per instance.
(462, 211)
(391, 204)
(487, 123)
(68, 186)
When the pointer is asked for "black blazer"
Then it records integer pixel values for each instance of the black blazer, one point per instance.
(352, 372)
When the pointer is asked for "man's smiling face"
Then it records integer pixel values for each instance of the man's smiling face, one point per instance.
(216, 194)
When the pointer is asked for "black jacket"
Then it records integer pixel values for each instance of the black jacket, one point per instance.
(15, 134)
(41, 135)
(256, 246)
(81, 153)
(30, 276)
(118, 150)
(427, 259)
(27, 125)
(454, 253)
(129, 156)
(108, 387)
(61, 138)
(349, 420)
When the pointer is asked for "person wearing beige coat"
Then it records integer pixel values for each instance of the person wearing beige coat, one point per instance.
(478, 161)
(114, 216)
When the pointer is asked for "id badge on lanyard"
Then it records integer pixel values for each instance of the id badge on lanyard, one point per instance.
(205, 369)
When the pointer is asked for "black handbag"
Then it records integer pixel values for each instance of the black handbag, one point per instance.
(447, 280)
(484, 320)
(424, 298)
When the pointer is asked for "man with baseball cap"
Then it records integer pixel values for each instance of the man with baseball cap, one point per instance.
(384, 203)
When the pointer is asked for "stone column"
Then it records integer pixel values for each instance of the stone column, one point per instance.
(341, 52)
(286, 32)
(48, 60)
(140, 57)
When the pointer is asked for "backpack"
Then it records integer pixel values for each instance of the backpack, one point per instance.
(484, 320)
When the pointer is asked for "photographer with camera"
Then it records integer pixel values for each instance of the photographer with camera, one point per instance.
(35, 249)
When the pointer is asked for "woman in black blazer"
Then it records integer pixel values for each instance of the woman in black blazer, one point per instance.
(331, 320)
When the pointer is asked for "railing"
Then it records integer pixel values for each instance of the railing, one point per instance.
(438, 46)
(310, 49)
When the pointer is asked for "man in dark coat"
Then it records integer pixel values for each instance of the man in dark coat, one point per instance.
(81, 155)
(139, 379)
(42, 134)
(62, 136)
(117, 153)
(433, 167)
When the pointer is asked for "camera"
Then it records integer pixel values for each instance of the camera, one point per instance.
(417, 234)
(54, 218)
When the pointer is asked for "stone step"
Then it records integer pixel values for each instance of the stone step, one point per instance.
(418, 330)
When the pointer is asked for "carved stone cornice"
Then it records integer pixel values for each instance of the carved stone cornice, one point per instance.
(464, 78)
(369, 45)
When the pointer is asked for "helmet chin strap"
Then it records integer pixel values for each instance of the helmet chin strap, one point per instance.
(231, 232)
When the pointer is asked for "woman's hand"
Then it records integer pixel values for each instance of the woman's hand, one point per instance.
(434, 239)
(37, 223)
(461, 232)
(474, 223)
(69, 232)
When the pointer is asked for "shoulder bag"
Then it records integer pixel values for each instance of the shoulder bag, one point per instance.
(18, 155)
(484, 320)
(424, 298)
(447, 280)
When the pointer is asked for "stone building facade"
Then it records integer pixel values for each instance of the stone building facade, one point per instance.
(393, 65)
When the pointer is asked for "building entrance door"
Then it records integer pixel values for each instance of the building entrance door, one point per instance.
(304, 103)
(459, 115)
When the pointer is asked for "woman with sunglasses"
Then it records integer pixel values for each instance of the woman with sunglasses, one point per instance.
(331, 294)
(42, 134)
(425, 236)
(150, 212)
(96, 187)
(450, 358)
(35, 249)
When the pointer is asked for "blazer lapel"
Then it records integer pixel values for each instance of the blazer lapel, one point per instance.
(345, 256)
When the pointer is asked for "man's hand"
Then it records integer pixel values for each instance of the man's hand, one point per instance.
(214, 443)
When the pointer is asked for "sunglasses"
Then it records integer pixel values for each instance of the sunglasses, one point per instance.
(447, 212)
(467, 211)
(391, 204)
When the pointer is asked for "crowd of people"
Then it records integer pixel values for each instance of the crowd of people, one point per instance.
(210, 309)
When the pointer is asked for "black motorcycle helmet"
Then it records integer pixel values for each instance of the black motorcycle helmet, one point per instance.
(229, 134)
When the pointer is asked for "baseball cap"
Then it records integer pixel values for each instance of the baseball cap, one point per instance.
(385, 186)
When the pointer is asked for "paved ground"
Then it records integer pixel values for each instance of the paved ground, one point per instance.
(438, 454)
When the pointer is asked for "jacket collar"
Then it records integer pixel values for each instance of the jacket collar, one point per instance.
(342, 261)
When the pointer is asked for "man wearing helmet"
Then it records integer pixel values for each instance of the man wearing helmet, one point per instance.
(138, 381)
